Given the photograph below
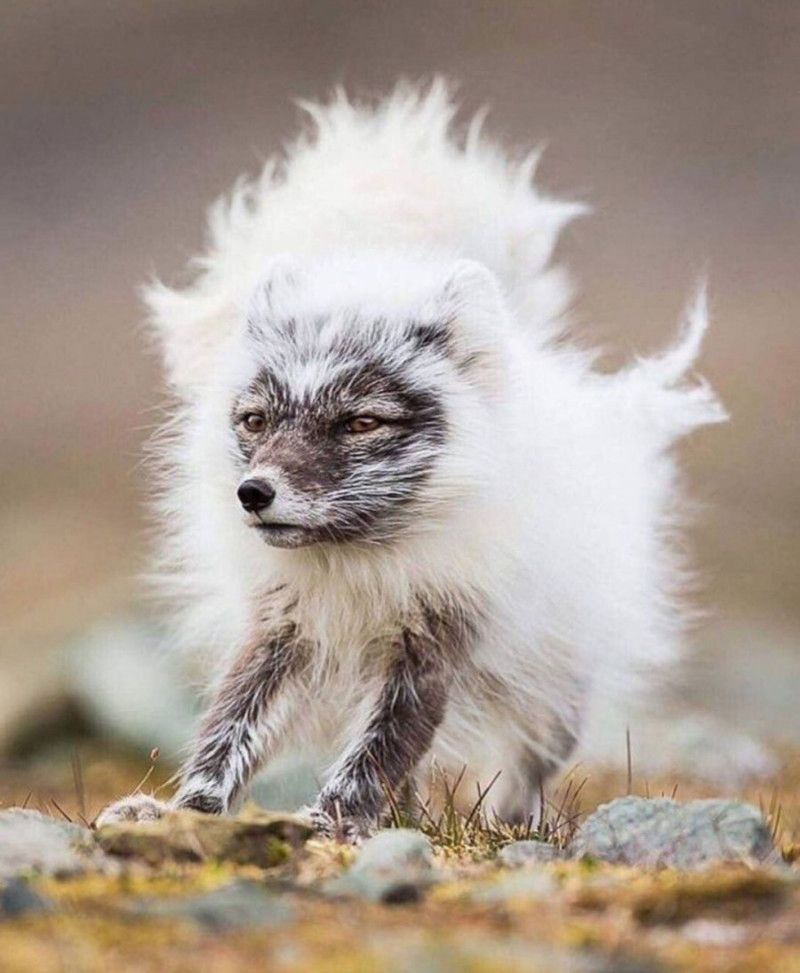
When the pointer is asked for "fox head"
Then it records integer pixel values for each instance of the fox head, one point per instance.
(360, 395)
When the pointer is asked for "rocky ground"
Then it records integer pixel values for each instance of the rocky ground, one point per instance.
(656, 881)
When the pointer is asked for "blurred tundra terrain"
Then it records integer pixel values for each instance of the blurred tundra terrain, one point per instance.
(679, 121)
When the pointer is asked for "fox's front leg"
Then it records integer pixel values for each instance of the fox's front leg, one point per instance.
(400, 730)
(241, 729)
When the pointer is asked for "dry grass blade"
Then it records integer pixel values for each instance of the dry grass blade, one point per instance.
(61, 810)
(468, 828)
(629, 761)
(80, 793)
(399, 811)
(559, 828)
(773, 815)
(154, 755)
(476, 807)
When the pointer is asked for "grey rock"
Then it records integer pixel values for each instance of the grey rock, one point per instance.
(661, 832)
(32, 842)
(520, 853)
(17, 898)
(394, 867)
(395, 849)
(237, 906)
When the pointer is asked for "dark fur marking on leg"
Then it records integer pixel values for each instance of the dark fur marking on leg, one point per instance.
(407, 714)
(229, 747)
(198, 801)
(537, 768)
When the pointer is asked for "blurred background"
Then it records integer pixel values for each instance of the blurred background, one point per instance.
(679, 120)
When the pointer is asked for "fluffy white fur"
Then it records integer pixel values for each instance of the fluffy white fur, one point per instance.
(555, 506)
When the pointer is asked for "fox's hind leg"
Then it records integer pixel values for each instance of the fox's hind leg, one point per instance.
(525, 802)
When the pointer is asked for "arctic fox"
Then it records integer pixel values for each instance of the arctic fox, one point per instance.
(415, 526)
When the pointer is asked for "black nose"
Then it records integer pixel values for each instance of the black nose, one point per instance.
(255, 495)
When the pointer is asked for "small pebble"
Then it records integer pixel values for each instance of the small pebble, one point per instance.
(394, 867)
(34, 842)
(395, 848)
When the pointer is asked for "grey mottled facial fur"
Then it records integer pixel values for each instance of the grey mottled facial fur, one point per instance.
(332, 480)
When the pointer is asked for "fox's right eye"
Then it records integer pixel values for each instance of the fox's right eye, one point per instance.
(254, 422)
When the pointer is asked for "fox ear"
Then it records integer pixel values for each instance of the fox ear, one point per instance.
(474, 313)
(282, 277)
(472, 286)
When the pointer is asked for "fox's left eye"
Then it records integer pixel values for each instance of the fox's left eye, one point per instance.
(362, 424)
(254, 422)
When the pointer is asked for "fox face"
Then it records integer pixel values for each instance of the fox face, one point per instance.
(346, 414)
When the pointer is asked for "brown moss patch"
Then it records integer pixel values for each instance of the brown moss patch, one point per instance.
(252, 838)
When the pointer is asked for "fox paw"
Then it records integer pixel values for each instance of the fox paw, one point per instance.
(135, 807)
(345, 830)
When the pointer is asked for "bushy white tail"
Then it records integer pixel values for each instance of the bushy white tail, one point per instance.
(660, 388)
